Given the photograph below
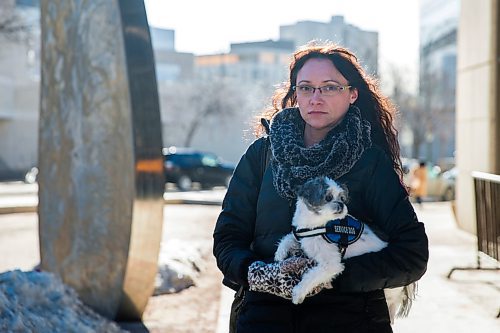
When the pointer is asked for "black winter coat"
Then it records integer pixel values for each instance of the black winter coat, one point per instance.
(254, 218)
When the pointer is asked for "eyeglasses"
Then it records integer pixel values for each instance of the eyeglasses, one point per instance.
(328, 90)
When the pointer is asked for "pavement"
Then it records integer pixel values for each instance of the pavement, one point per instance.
(468, 301)
(19, 197)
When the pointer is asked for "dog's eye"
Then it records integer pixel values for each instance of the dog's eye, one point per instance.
(329, 197)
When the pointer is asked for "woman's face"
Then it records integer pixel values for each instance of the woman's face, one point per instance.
(322, 110)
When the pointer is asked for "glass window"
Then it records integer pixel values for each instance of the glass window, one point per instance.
(209, 160)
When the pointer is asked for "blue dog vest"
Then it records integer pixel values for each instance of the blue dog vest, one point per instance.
(341, 231)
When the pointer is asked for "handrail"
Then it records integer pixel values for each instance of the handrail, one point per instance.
(486, 176)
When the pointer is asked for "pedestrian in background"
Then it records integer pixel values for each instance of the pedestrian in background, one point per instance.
(419, 182)
(329, 119)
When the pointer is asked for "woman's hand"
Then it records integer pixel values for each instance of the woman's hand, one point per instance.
(279, 278)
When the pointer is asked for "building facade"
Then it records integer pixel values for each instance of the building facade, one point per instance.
(171, 66)
(263, 62)
(250, 71)
(437, 76)
(478, 101)
(363, 43)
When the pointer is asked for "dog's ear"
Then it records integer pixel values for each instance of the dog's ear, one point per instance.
(345, 195)
(313, 190)
(301, 190)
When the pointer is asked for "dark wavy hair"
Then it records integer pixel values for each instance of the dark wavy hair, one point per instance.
(375, 107)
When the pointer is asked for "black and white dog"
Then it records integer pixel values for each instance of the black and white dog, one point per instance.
(325, 232)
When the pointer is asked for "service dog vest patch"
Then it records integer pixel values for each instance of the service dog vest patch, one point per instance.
(341, 231)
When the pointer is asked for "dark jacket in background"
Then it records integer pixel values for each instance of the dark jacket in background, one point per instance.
(254, 218)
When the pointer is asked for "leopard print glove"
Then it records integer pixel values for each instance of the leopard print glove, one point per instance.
(279, 278)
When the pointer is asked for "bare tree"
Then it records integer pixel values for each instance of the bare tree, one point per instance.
(428, 116)
(12, 25)
(437, 96)
(411, 116)
(189, 105)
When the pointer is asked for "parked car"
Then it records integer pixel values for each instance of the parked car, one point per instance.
(440, 185)
(408, 164)
(185, 166)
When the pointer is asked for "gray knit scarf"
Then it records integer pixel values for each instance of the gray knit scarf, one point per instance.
(293, 164)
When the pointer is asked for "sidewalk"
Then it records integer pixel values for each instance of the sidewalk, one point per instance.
(468, 302)
(18, 197)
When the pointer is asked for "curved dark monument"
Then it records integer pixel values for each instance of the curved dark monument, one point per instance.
(101, 167)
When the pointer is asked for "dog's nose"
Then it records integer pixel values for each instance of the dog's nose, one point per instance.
(339, 206)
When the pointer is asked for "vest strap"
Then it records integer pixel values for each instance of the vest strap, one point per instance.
(340, 231)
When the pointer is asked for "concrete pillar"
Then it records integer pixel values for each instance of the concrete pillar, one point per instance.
(101, 168)
(478, 107)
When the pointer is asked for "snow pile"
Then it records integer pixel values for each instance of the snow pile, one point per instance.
(179, 264)
(39, 302)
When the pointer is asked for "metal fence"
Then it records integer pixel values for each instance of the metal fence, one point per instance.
(487, 191)
(487, 199)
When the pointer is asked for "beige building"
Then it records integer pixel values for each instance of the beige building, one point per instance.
(254, 68)
(478, 101)
(363, 43)
(170, 65)
(263, 62)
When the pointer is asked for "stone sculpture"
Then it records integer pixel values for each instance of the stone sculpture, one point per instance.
(101, 167)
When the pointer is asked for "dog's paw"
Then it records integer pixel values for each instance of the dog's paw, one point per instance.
(298, 295)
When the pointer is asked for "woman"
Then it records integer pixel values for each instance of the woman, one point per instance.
(329, 120)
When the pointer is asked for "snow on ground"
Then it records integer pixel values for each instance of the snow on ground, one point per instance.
(34, 301)
(179, 264)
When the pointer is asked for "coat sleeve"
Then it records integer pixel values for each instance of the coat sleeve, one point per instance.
(404, 260)
(234, 229)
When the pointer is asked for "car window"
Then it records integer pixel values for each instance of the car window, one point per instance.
(433, 171)
(184, 159)
(209, 160)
